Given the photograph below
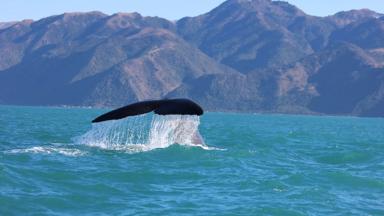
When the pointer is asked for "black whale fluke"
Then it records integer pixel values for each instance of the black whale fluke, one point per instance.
(160, 107)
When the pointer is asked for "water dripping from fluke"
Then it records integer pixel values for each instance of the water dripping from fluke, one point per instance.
(144, 133)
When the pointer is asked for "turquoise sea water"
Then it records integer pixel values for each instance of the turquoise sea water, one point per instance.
(255, 165)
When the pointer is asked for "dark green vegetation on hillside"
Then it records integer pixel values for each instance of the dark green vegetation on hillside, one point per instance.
(252, 56)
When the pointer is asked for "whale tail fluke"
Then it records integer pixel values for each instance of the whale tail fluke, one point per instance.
(160, 107)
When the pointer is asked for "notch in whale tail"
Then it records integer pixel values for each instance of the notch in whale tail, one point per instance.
(160, 107)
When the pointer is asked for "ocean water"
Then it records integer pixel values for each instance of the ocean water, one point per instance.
(54, 162)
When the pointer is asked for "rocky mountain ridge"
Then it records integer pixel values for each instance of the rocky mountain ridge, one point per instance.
(244, 56)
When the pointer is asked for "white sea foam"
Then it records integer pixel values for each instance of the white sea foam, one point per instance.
(132, 135)
(145, 133)
(48, 150)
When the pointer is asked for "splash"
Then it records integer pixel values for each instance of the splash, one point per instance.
(144, 133)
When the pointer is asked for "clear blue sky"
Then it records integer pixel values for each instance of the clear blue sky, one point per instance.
(172, 9)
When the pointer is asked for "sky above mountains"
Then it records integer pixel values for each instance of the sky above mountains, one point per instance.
(13, 10)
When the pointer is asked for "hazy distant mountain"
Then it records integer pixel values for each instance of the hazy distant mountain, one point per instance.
(94, 59)
(343, 79)
(368, 34)
(247, 35)
(4, 25)
(245, 55)
(347, 17)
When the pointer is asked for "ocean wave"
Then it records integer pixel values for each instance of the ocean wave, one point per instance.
(137, 148)
(48, 150)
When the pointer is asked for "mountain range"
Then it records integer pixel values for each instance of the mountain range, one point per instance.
(243, 56)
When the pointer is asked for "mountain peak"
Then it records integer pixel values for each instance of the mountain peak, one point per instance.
(75, 14)
(365, 12)
(265, 7)
(346, 17)
(133, 15)
(250, 1)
